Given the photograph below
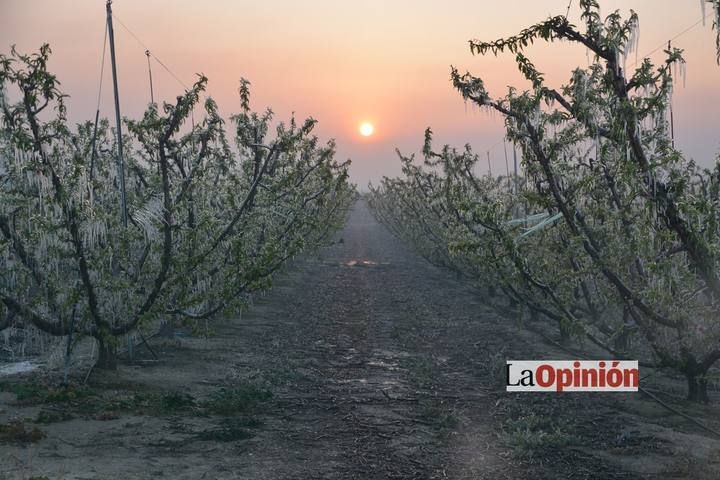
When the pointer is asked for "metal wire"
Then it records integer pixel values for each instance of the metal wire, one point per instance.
(140, 42)
(93, 153)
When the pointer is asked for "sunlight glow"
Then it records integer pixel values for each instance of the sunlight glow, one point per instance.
(367, 129)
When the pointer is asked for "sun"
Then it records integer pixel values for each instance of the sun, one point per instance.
(366, 129)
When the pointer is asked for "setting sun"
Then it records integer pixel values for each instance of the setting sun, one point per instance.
(366, 129)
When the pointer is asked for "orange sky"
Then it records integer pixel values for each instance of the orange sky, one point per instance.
(346, 62)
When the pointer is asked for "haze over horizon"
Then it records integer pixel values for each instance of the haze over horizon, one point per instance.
(347, 63)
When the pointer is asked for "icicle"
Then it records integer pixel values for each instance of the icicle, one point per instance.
(632, 43)
(637, 41)
(596, 141)
(683, 72)
(702, 9)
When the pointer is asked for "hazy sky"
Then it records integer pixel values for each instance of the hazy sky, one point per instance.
(344, 62)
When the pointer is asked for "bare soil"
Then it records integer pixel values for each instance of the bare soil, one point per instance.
(379, 365)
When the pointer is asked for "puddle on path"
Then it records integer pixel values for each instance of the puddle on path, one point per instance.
(363, 263)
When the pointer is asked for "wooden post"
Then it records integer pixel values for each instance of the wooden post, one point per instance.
(515, 164)
(152, 95)
(672, 120)
(118, 121)
(507, 166)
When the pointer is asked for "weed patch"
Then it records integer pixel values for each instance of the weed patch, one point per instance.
(421, 370)
(231, 430)
(153, 403)
(439, 414)
(236, 400)
(36, 393)
(49, 416)
(17, 432)
(533, 434)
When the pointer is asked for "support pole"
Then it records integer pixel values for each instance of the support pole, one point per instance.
(515, 164)
(489, 168)
(516, 184)
(94, 141)
(672, 120)
(97, 110)
(152, 95)
(118, 122)
(507, 167)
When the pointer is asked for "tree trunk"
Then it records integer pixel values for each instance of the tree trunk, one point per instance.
(697, 388)
(622, 340)
(564, 333)
(167, 329)
(107, 356)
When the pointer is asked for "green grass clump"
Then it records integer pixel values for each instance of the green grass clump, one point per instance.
(439, 414)
(231, 430)
(36, 393)
(170, 402)
(49, 416)
(154, 403)
(16, 432)
(532, 434)
(237, 400)
(421, 370)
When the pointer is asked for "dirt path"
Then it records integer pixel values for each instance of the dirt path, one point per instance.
(369, 332)
(380, 366)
